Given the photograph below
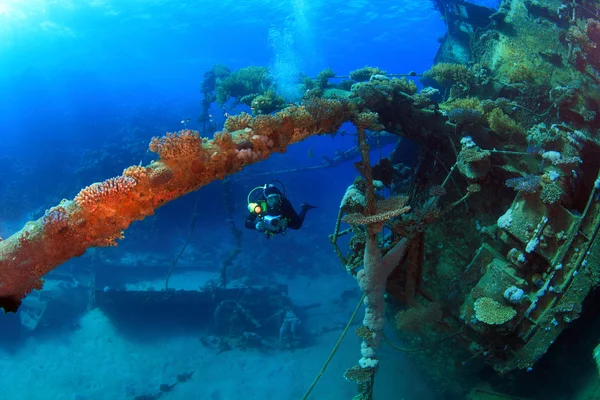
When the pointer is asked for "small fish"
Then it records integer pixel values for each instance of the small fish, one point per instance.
(185, 121)
(140, 164)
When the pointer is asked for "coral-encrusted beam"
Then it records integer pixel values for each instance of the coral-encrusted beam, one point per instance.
(100, 212)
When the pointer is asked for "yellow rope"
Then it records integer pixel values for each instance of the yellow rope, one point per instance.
(341, 338)
(337, 345)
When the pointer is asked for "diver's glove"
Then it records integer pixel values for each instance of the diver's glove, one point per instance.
(260, 226)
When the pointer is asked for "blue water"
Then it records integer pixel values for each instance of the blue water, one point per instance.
(84, 85)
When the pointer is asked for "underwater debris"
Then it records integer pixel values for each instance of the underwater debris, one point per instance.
(289, 333)
(507, 282)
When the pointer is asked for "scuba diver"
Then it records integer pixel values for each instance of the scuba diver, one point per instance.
(271, 212)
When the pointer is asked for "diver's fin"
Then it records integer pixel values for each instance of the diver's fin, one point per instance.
(306, 206)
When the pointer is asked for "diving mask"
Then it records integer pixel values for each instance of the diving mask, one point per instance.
(273, 200)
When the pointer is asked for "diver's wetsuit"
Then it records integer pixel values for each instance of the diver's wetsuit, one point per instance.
(286, 210)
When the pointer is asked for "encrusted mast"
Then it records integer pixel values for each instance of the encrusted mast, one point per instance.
(100, 212)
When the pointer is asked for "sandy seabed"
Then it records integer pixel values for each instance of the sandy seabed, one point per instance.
(98, 362)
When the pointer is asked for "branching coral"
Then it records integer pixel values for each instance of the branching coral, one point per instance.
(386, 210)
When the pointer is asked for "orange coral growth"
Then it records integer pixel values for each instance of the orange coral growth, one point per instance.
(224, 140)
(139, 173)
(238, 122)
(100, 212)
(110, 190)
(182, 144)
(112, 240)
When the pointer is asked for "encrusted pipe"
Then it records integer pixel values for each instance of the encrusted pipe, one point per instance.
(101, 212)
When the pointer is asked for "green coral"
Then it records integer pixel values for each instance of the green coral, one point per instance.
(214, 75)
(337, 93)
(378, 93)
(449, 74)
(315, 87)
(520, 73)
(365, 73)
(323, 78)
(248, 99)
(504, 125)
(267, 103)
(221, 71)
(464, 102)
(243, 82)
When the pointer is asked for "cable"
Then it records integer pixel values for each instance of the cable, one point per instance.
(187, 241)
(337, 345)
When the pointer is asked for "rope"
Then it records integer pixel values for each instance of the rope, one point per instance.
(335, 348)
